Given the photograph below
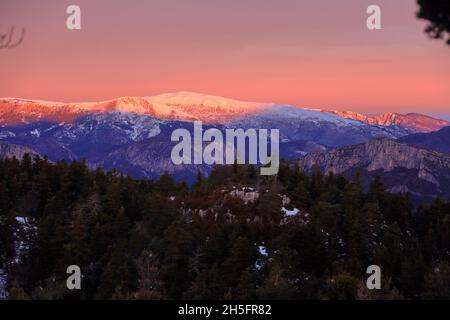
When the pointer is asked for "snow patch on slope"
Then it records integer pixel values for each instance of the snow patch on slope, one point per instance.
(191, 98)
(290, 213)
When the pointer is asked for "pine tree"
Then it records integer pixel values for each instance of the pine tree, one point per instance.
(276, 285)
(119, 277)
(242, 256)
(150, 286)
(178, 243)
(437, 282)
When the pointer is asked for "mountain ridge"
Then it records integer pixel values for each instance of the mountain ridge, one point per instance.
(437, 140)
(415, 122)
(190, 106)
(133, 134)
(405, 168)
(9, 150)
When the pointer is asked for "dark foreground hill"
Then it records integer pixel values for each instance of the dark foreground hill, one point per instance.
(233, 235)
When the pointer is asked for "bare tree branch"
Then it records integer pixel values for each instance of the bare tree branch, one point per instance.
(9, 38)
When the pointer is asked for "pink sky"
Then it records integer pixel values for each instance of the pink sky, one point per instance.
(307, 53)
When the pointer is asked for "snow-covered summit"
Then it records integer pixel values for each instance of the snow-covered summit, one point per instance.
(198, 99)
(190, 106)
(175, 106)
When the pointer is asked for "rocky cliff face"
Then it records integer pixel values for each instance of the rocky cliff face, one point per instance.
(405, 168)
(149, 158)
(8, 150)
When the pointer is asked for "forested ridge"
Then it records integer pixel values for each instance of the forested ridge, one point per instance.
(231, 235)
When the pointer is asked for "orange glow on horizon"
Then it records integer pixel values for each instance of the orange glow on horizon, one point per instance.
(289, 51)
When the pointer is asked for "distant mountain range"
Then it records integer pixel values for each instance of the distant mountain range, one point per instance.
(132, 134)
(413, 122)
(188, 106)
(438, 140)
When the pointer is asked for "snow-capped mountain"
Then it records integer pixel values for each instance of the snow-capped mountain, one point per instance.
(413, 122)
(185, 106)
(189, 106)
(132, 134)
